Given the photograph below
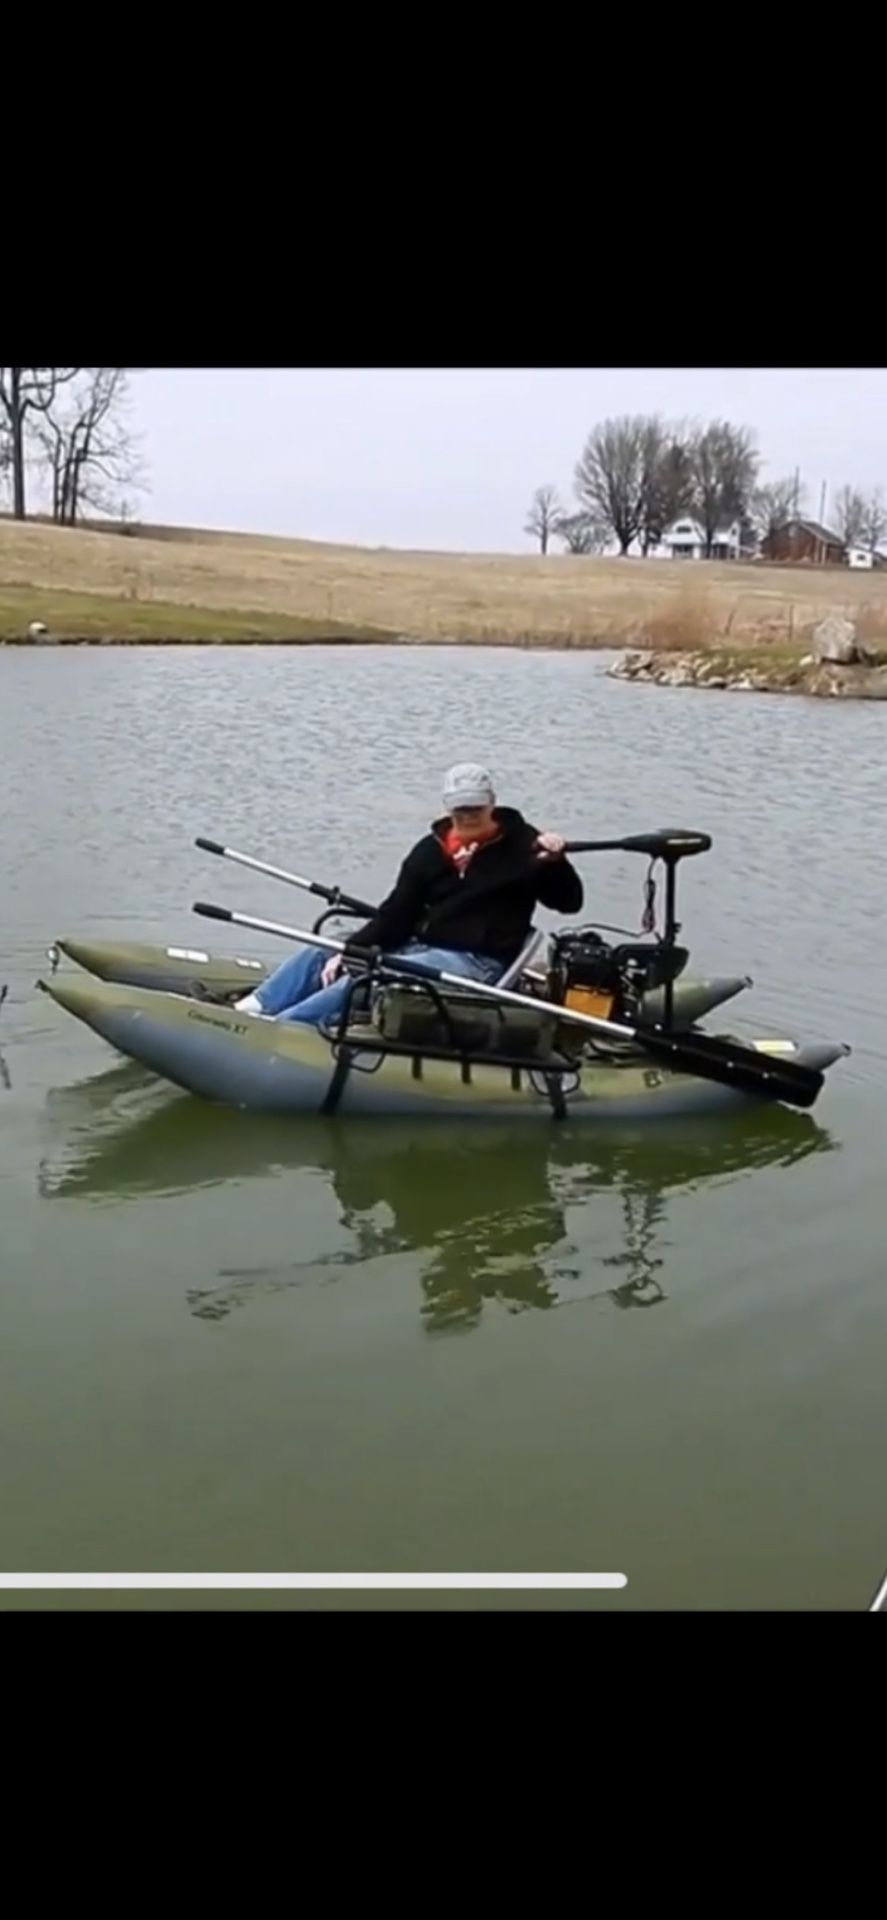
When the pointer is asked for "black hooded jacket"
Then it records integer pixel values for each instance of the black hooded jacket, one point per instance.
(488, 909)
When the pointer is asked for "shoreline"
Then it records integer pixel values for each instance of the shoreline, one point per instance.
(759, 668)
(525, 643)
(60, 641)
(753, 669)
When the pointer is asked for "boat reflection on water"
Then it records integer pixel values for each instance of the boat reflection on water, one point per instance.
(495, 1210)
(5, 1076)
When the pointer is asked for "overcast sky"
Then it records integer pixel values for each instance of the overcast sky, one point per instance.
(449, 458)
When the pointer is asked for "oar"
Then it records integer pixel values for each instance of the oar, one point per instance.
(725, 1061)
(333, 895)
(671, 845)
(675, 844)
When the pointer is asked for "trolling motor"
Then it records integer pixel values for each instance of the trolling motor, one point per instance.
(593, 976)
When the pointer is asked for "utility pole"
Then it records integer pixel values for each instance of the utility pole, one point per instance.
(18, 443)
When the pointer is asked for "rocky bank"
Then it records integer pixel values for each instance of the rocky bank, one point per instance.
(838, 666)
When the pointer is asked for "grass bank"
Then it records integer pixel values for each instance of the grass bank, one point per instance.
(184, 584)
(98, 619)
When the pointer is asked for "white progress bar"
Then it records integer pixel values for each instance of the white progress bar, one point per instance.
(311, 1582)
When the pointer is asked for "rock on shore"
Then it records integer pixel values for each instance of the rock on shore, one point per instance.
(839, 666)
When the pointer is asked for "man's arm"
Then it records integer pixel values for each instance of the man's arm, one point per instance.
(396, 918)
(558, 885)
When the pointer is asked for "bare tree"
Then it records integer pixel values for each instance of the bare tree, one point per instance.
(652, 446)
(25, 391)
(88, 448)
(635, 477)
(597, 536)
(609, 480)
(545, 512)
(724, 467)
(774, 504)
(581, 534)
(667, 484)
(850, 515)
(874, 519)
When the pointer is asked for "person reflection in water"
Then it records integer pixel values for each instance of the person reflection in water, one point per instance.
(485, 1220)
(489, 1219)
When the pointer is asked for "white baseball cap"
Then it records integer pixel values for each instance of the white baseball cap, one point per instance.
(467, 785)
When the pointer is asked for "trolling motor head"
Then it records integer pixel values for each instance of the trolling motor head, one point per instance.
(669, 844)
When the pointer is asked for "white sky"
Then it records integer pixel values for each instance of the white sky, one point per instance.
(449, 458)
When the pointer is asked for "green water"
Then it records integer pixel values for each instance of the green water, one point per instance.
(228, 1343)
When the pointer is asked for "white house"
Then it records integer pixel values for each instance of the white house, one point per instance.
(860, 557)
(685, 540)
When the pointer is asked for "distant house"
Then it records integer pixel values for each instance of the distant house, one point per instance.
(804, 542)
(685, 540)
(860, 557)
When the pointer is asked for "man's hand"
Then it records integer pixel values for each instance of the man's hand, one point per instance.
(550, 846)
(332, 969)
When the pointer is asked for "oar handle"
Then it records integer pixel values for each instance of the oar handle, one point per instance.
(212, 913)
(209, 911)
(332, 895)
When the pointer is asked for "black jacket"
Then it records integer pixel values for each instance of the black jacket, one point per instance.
(487, 910)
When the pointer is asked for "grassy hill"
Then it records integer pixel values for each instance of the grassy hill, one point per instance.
(184, 584)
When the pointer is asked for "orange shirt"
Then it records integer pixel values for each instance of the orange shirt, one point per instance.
(460, 847)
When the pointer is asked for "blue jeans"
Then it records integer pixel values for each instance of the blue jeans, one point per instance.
(294, 991)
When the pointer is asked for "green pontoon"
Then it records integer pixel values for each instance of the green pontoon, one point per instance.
(278, 1066)
(201, 975)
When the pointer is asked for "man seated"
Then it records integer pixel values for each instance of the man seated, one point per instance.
(463, 902)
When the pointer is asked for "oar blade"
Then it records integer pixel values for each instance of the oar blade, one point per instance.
(732, 1064)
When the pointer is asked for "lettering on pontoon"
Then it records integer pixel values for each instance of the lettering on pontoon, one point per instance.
(212, 1020)
(187, 953)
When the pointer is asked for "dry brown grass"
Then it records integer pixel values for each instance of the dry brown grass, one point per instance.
(698, 618)
(690, 621)
(496, 599)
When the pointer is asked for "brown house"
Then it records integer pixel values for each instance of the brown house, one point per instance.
(805, 541)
